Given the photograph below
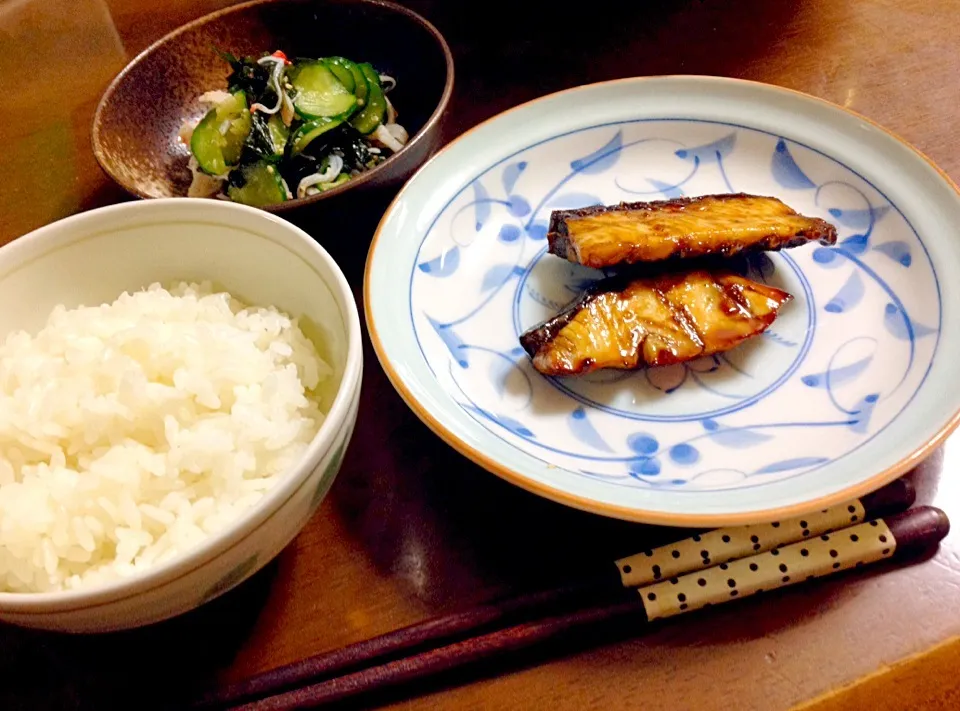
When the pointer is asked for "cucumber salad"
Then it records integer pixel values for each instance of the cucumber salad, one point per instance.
(290, 129)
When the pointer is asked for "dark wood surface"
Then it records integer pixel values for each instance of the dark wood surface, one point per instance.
(411, 529)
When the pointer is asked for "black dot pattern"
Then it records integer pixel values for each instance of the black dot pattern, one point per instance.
(707, 549)
(817, 555)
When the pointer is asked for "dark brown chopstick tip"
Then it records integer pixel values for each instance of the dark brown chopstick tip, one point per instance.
(896, 496)
(918, 529)
(583, 618)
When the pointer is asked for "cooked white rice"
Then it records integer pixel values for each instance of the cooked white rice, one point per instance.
(129, 432)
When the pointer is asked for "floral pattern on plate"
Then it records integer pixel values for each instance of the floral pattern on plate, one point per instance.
(841, 362)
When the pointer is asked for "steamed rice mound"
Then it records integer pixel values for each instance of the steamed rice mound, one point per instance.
(131, 431)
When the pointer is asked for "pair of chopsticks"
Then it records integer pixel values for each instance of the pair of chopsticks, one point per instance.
(706, 569)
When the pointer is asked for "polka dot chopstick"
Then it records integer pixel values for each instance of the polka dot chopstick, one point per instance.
(898, 536)
(703, 570)
(726, 544)
(848, 547)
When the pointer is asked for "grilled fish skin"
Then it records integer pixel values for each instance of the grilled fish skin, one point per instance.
(631, 323)
(681, 228)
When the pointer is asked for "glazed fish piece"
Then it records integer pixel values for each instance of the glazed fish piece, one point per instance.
(681, 228)
(652, 321)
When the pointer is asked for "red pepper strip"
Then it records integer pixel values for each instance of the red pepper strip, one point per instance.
(280, 55)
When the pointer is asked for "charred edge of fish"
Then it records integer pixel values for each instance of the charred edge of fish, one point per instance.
(558, 236)
(536, 338)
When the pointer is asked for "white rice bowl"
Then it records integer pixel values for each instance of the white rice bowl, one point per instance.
(132, 431)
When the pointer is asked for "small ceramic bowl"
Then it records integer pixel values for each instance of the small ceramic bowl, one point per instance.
(262, 260)
(136, 125)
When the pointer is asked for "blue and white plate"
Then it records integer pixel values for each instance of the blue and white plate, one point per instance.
(853, 385)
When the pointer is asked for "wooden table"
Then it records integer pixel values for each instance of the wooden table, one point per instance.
(412, 529)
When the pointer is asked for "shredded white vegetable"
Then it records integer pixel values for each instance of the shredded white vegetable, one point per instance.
(212, 98)
(391, 135)
(201, 184)
(334, 168)
(186, 132)
(388, 82)
(275, 74)
(287, 113)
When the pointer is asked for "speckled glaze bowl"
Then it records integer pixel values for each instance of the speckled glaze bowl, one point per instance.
(136, 124)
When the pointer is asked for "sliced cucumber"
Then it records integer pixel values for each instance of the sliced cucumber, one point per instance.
(279, 134)
(340, 180)
(359, 80)
(366, 121)
(309, 130)
(318, 92)
(263, 185)
(342, 72)
(218, 139)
